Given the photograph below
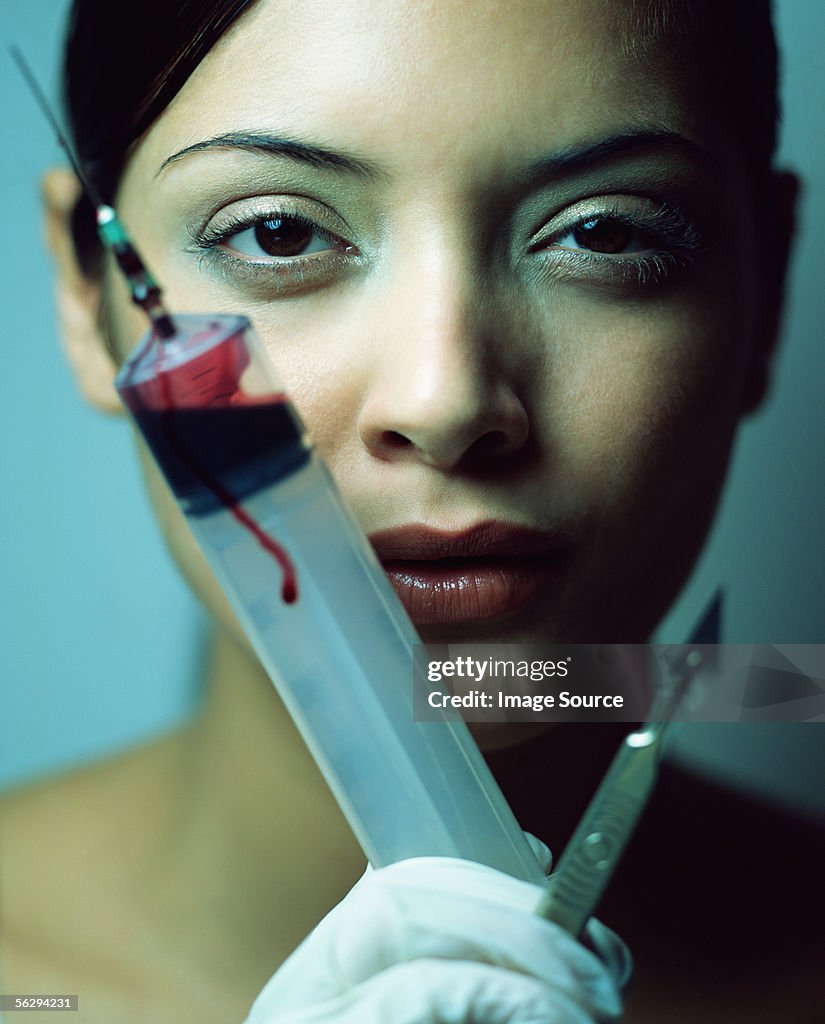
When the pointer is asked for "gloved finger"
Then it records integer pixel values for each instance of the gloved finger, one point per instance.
(439, 992)
(434, 907)
(605, 943)
(447, 909)
(542, 852)
(612, 951)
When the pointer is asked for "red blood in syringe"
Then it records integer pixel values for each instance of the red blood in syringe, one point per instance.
(215, 444)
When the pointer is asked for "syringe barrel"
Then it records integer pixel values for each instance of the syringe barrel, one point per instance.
(340, 652)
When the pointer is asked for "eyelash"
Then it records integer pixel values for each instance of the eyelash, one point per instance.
(677, 239)
(209, 245)
(677, 244)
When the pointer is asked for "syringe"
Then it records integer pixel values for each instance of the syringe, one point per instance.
(312, 597)
(303, 580)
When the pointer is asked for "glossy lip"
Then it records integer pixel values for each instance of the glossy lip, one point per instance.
(484, 572)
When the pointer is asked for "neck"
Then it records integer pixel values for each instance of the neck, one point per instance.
(254, 840)
(549, 780)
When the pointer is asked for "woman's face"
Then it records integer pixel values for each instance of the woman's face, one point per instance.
(505, 273)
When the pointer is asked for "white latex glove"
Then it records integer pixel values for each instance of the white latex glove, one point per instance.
(440, 941)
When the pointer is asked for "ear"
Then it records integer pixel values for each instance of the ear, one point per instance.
(78, 297)
(782, 202)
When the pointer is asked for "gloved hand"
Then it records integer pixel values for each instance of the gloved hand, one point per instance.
(440, 941)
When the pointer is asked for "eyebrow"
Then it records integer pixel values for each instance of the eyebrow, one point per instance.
(565, 162)
(276, 145)
(577, 159)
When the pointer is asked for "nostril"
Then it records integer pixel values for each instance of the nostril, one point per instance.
(394, 439)
(492, 443)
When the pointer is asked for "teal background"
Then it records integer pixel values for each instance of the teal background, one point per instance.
(100, 639)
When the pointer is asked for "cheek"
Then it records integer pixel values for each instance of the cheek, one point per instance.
(326, 391)
(324, 356)
(647, 402)
(641, 439)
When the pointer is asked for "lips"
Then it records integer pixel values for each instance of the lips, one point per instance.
(485, 572)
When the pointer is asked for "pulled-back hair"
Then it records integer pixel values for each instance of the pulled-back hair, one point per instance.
(116, 85)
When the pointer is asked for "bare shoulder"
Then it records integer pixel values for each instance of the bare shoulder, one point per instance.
(43, 836)
(59, 837)
(59, 831)
(70, 847)
(84, 876)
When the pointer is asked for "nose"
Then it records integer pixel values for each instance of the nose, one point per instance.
(443, 387)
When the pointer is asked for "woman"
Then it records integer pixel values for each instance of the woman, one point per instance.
(520, 268)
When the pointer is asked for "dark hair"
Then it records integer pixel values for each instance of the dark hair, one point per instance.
(116, 82)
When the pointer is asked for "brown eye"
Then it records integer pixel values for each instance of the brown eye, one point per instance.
(282, 236)
(604, 234)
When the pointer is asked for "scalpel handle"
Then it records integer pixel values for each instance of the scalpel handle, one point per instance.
(591, 856)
